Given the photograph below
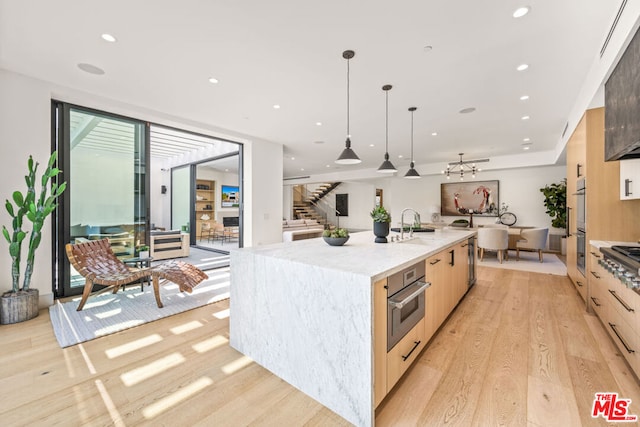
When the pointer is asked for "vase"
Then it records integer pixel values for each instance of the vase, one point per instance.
(143, 254)
(335, 241)
(381, 230)
(16, 307)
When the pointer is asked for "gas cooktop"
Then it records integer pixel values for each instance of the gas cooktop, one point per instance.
(632, 252)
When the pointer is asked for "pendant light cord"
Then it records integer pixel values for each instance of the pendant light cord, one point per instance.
(412, 137)
(348, 133)
(386, 143)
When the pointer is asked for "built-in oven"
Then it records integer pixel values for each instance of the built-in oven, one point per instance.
(581, 207)
(581, 256)
(405, 302)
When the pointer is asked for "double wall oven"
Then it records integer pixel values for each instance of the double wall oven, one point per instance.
(581, 225)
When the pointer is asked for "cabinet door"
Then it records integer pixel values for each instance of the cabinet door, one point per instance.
(380, 340)
(462, 269)
(629, 179)
(435, 310)
(597, 286)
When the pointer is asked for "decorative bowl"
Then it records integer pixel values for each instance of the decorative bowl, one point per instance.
(335, 241)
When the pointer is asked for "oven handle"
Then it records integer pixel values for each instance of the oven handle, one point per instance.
(422, 288)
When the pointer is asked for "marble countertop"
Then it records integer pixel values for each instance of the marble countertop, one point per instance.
(607, 244)
(360, 255)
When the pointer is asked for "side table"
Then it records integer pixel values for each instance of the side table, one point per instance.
(138, 262)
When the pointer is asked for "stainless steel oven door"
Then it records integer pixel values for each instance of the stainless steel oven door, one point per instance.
(404, 310)
(581, 257)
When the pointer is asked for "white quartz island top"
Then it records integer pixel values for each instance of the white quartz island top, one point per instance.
(304, 311)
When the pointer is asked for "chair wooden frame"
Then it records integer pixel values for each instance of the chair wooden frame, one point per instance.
(96, 262)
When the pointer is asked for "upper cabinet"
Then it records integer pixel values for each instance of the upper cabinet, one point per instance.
(629, 179)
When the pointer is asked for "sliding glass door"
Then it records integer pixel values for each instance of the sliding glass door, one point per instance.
(104, 159)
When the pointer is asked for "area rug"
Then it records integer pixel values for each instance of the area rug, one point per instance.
(108, 313)
(528, 262)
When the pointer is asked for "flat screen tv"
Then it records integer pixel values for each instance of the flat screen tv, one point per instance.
(230, 196)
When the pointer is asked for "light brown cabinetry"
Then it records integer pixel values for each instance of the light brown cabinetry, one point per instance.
(380, 340)
(205, 206)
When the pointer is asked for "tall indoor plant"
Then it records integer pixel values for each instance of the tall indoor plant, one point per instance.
(21, 303)
(381, 221)
(555, 200)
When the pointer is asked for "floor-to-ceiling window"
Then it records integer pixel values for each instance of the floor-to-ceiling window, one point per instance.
(103, 158)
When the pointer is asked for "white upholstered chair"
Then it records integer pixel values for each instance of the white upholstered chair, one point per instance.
(532, 239)
(494, 239)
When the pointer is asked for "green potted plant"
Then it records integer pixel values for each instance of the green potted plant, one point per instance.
(336, 237)
(21, 303)
(555, 200)
(143, 251)
(381, 220)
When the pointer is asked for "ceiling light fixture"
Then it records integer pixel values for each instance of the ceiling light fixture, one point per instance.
(462, 165)
(522, 67)
(521, 11)
(109, 38)
(318, 123)
(276, 106)
(348, 156)
(213, 80)
(412, 173)
(387, 166)
(525, 117)
(91, 69)
(434, 133)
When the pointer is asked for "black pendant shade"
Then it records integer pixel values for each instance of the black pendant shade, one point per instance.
(412, 173)
(387, 166)
(348, 156)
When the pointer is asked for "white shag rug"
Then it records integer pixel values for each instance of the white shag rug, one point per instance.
(528, 262)
(108, 313)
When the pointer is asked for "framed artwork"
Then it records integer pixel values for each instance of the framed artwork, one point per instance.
(463, 198)
(230, 196)
(342, 204)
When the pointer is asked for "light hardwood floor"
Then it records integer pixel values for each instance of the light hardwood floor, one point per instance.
(519, 350)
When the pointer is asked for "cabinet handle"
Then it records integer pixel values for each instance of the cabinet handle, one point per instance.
(595, 254)
(579, 283)
(568, 230)
(578, 166)
(595, 274)
(464, 245)
(624, 304)
(434, 262)
(595, 302)
(416, 344)
(627, 187)
(615, 331)
(453, 260)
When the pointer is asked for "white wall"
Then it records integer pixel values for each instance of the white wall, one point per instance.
(25, 128)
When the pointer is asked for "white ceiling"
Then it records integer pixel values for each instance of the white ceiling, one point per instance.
(289, 52)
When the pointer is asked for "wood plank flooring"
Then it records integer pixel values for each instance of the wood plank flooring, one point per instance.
(519, 350)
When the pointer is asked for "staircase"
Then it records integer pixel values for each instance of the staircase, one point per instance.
(305, 210)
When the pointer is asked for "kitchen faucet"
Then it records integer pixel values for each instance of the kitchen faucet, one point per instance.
(416, 220)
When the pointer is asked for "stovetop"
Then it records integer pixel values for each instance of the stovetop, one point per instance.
(632, 252)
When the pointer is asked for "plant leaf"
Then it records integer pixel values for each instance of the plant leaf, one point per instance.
(6, 235)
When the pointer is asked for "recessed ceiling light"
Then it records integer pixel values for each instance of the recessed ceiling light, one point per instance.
(527, 139)
(328, 166)
(213, 80)
(318, 142)
(467, 110)
(522, 67)
(525, 117)
(428, 48)
(434, 133)
(276, 106)
(526, 147)
(372, 145)
(293, 158)
(91, 69)
(521, 11)
(108, 38)
(524, 97)
(400, 156)
(302, 169)
(318, 123)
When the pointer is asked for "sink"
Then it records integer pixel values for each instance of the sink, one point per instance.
(415, 230)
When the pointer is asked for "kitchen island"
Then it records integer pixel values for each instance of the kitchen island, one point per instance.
(304, 310)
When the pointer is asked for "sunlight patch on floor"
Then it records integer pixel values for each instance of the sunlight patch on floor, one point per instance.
(186, 327)
(138, 375)
(236, 365)
(132, 346)
(222, 314)
(210, 344)
(108, 403)
(179, 396)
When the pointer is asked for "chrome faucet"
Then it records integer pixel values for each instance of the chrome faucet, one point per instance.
(416, 219)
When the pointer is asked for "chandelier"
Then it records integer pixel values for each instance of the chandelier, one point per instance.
(462, 165)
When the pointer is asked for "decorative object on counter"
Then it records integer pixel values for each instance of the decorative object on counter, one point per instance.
(412, 173)
(555, 200)
(348, 156)
(461, 165)
(381, 221)
(143, 251)
(503, 208)
(387, 166)
(462, 223)
(21, 304)
(508, 218)
(205, 217)
(336, 237)
(458, 198)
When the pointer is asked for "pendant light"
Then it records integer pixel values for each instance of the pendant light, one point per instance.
(348, 156)
(387, 166)
(412, 173)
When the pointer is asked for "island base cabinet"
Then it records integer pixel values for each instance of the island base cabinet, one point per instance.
(404, 353)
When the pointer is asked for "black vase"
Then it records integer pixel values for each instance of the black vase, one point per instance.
(381, 230)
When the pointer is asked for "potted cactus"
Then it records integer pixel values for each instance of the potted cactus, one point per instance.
(21, 303)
